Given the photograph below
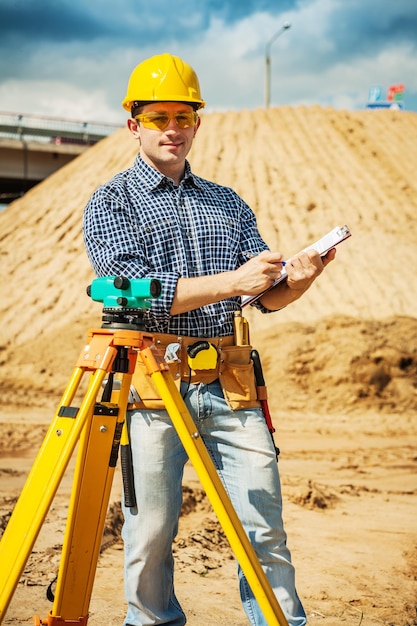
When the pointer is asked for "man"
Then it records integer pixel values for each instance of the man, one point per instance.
(159, 220)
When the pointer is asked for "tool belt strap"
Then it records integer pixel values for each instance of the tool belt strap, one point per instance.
(234, 370)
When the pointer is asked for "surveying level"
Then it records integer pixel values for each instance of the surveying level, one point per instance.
(123, 292)
(99, 428)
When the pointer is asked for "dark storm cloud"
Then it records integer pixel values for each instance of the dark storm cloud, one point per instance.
(358, 27)
(353, 26)
(234, 11)
(29, 21)
(48, 20)
(339, 33)
(28, 26)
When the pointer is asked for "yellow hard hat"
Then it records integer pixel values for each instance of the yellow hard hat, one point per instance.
(163, 78)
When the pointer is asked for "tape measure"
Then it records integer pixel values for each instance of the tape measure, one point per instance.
(202, 355)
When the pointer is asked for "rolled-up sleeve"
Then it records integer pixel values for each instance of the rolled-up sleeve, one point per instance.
(115, 247)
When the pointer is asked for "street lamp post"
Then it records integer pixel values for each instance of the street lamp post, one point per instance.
(283, 28)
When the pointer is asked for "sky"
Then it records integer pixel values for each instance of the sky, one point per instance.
(72, 58)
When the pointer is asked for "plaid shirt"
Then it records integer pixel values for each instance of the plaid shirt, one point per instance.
(140, 225)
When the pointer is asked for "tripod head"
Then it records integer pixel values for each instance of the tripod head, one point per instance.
(124, 299)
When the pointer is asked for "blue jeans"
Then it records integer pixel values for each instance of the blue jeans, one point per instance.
(241, 448)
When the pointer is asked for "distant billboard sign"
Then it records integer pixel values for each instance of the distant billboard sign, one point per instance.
(394, 97)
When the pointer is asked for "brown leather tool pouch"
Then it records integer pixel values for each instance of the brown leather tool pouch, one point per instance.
(234, 370)
(142, 382)
(237, 377)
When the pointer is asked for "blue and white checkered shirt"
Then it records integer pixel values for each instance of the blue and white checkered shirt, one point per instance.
(140, 225)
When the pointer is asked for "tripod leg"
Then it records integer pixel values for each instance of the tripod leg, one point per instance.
(96, 462)
(216, 493)
(42, 483)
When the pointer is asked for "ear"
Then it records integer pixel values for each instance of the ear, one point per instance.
(133, 126)
(197, 126)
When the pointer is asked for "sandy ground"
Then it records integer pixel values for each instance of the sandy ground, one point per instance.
(341, 364)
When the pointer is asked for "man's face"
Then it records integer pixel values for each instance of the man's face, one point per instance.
(167, 148)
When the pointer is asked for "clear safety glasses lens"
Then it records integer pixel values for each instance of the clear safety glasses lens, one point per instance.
(159, 121)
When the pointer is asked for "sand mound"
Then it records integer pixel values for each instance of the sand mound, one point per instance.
(341, 363)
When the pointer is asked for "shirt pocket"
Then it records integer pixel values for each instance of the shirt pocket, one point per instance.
(162, 243)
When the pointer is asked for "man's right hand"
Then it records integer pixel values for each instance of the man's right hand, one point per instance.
(259, 273)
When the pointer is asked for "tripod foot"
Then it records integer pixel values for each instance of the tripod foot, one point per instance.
(53, 620)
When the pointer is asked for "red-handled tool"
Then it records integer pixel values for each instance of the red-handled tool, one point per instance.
(262, 395)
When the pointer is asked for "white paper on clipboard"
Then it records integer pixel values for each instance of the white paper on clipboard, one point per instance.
(322, 246)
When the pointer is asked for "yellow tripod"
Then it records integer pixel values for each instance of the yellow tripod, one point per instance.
(99, 427)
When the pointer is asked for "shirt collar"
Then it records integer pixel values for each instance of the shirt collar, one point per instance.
(152, 178)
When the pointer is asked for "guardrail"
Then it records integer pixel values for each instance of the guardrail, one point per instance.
(52, 130)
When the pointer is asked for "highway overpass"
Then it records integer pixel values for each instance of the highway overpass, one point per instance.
(33, 147)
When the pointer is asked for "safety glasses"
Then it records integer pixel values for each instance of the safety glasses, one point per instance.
(160, 121)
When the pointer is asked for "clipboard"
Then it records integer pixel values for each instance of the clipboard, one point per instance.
(322, 246)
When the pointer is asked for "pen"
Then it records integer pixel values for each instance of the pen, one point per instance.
(249, 255)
